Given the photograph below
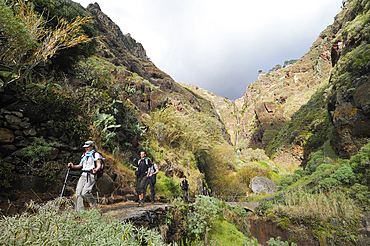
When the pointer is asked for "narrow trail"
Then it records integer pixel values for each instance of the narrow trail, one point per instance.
(129, 209)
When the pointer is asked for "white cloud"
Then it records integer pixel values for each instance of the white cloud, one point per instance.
(220, 45)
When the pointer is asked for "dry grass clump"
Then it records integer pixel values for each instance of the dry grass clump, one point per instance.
(324, 205)
(173, 128)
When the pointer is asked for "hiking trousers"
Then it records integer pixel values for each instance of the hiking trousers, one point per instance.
(150, 181)
(185, 195)
(83, 191)
(141, 184)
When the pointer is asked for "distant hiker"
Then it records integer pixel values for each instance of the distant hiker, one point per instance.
(205, 192)
(142, 173)
(90, 163)
(247, 196)
(185, 188)
(152, 179)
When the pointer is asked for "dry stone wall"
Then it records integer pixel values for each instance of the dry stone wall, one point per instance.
(19, 127)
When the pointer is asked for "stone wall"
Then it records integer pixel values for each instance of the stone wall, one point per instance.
(20, 126)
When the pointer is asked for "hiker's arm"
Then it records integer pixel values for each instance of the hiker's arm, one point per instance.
(74, 166)
(148, 172)
(156, 171)
(98, 165)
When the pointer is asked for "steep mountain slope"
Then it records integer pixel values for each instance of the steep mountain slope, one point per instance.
(157, 88)
(285, 111)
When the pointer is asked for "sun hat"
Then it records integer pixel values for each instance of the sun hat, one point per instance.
(88, 144)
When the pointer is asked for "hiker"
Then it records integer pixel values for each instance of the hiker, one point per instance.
(205, 191)
(152, 179)
(247, 196)
(90, 163)
(185, 188)
(142, 173)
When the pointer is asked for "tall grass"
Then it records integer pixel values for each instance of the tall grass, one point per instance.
(324, 205)
(49, 224)
(175, 129)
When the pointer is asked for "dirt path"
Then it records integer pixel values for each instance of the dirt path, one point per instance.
(129, 209)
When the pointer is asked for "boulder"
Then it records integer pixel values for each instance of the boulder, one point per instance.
(6, 135)
(105, 185)
(258, 184)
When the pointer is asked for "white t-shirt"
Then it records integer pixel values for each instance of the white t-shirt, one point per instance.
(88, 165)
(152, 169)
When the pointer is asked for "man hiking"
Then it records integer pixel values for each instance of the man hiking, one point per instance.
(90, 163)
(152, 179)
(205, 192)
(142, 173)
(185, 188)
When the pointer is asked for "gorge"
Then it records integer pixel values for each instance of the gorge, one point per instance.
(303, 126)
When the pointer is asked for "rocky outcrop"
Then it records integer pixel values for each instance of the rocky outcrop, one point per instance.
(349, 99)
(155, 89)
(259, 184)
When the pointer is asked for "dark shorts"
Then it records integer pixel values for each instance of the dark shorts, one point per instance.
(140, 185)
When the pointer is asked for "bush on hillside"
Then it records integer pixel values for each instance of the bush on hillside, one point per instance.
(204, 213)
(69, 11)
(361, 194)
(329, 184)
(360, 164)
(344, 175)
(315, 160)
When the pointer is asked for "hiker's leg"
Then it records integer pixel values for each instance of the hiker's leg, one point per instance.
(79, 205)
(184, 195)
(146, 187)
(152, 192)
(141, 186)
(86, 191)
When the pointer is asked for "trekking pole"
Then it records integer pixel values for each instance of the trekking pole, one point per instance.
(97, 193)
(65, 181)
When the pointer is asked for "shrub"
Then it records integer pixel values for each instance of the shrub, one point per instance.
(38, 149)
(24, 57)
(361, 194)
(360, 164)
(286, 181)
(295, 177)
(48, 224)
(278, 242)
(166, 186)
(315, 160)
(205, 211)
(329, 184)
(5, 174)
(300, 172)
(344, 175)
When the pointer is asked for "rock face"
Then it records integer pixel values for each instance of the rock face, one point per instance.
(258, 184)
(349, 99)
(156, 89)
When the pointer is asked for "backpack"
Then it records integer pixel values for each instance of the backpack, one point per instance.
(100, 172)
(154, 177)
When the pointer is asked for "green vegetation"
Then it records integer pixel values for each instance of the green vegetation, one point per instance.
(38, 150)
(225, 233)
(6, 175)
(49, 224)
(166, 186)
(34, 43)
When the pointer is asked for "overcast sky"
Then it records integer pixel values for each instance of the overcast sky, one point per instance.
(220, 45)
